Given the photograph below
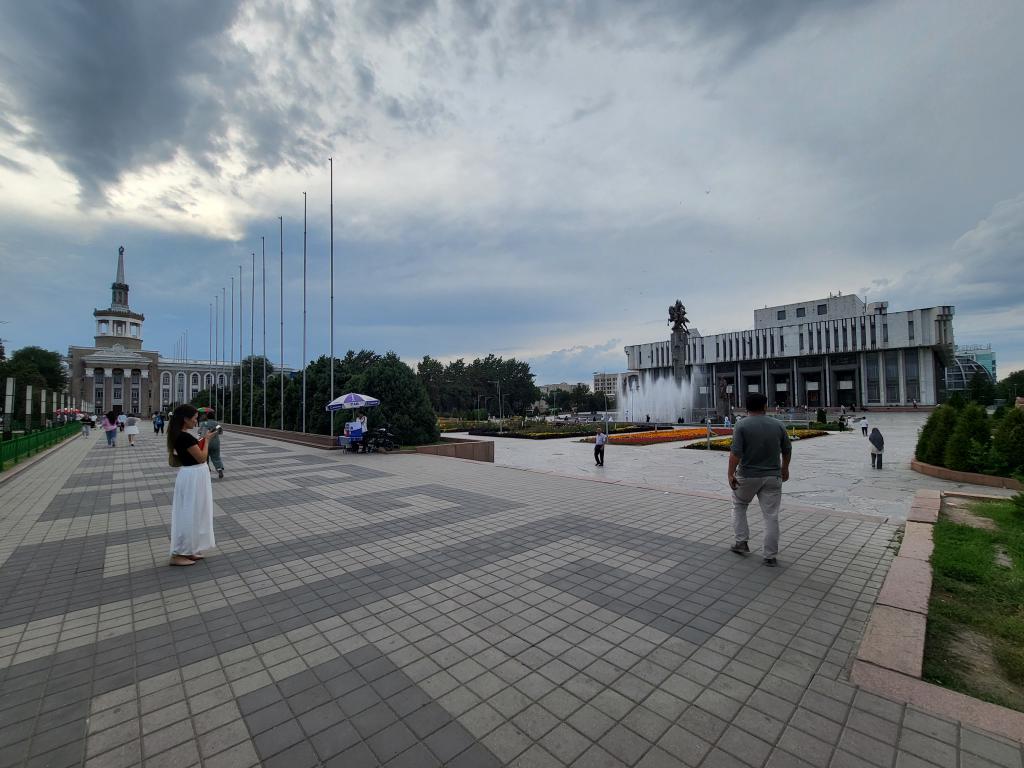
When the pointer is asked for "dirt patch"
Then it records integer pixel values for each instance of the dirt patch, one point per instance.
(958, 511)
(982, 669)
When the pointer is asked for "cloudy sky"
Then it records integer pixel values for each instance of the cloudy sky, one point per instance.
(522, 177)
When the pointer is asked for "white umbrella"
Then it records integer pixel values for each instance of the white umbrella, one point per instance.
(352, 400)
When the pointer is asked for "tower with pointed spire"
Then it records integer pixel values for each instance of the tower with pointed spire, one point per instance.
(118, 325)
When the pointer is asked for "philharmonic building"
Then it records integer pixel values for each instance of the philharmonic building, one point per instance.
(820, 353)
(117, 374)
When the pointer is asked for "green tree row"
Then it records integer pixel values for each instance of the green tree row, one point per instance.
(405, 407)
(36, 367)
(458, 388)
(966, 438)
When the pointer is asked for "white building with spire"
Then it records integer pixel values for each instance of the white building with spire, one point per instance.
(117, 374)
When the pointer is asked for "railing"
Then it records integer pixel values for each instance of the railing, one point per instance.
(14, 450)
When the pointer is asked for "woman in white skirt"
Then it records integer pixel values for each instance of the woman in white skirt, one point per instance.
(192, 509)
(131, 428)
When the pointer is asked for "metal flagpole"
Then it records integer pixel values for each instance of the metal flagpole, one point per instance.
(280, 220)
(216, 353)
(332, 296)
(252, 336)
(210, 358)
(223, 349)
(264, 242)
(231, 376)
(241, 362)
(304, 313)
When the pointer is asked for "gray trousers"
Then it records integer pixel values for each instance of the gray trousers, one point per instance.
(213, 455)
(768, 491)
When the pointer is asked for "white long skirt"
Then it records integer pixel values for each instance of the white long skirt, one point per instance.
(192, 511)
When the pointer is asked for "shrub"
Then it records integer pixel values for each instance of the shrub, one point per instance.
(404, 403)
(1008, 443)
(820, 416)
(967, 446)
(931, 444)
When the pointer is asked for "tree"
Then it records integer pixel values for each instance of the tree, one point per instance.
(46, 363)
(1011, 386)
(969, 440)
(1008, 443)
(980, 389)
(931, 445)
(404, 403)
(431, 374)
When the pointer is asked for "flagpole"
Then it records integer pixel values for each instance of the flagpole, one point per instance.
(304, 366)
(216, 352)
(231, 376)
(252, 336)
(223, 351)
(263, 240)
(280, 220)
(241, 362)
(211, 343)
(332, 297)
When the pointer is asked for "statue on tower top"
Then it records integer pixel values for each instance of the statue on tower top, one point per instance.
(677, 316)
(120, 251)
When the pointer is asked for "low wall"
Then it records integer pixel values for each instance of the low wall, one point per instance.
(965, 477)
(460, 448)
(299, 438)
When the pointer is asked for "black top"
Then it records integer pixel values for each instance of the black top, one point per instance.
(181, 445)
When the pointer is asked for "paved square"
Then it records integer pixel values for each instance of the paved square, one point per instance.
(417, 611)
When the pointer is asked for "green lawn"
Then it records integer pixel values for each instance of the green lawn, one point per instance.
(970, 591)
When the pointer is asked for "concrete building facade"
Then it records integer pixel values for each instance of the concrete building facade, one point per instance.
(826, 352)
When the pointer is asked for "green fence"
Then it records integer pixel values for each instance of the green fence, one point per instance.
(14, 450)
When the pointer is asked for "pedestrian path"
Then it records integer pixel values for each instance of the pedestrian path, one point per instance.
(409, 610)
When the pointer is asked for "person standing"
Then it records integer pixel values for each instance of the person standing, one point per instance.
(109, 425)
(755, 469)
(86, 425)
(192, 508)
(864, 426)
(212, 430)
(366, 432)
(158, 423)
(599, 440)
(131, 428)
(121, 419)
(877, 446)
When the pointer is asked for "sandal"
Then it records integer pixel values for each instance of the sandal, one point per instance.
(181, 560)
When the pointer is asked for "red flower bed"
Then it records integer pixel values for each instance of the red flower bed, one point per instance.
(663, 436)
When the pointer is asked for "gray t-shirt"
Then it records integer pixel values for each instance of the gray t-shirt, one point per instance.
(759, 441)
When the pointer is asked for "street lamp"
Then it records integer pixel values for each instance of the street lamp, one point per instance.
(501, 411)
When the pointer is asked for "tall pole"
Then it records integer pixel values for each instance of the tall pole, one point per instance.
(332, 297)
(210, 358)
(216, 353)
(303, 312)
(241, 362)
(264, 244)
(231, 375)
(252, 336)
(223, 349)
(280, 376)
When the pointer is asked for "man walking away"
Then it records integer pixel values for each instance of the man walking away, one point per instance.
(599, 440)
(877, 446)
(755, 470)
(864, 426)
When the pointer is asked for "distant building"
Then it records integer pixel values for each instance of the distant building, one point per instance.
(117, 374)
(547, 388)
(824, 352)
(607, 383)
(981, 354)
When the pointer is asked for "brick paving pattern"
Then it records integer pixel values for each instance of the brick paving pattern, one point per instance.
(417, 611)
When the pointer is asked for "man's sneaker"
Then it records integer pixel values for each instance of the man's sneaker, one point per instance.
(740, 548)
(771, 562)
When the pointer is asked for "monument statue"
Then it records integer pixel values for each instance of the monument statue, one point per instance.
(677, 316)
(120, 251)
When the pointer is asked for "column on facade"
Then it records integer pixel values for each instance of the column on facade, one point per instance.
(794, 398)
(903, 377)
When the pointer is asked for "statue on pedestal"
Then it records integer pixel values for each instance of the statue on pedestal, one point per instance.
(677, 317)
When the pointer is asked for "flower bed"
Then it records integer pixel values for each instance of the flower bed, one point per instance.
(725, 443)
(662, 436)
(550, 432)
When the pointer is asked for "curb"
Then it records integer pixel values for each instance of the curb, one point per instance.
(971, 478)
(891, 653)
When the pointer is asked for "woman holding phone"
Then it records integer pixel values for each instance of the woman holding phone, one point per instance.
(192, 509)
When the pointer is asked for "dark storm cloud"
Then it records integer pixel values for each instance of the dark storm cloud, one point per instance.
(103, 85)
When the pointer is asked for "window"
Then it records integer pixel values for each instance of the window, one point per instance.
(910, 332)
(801, 312)
(910, 370)
(885, 333)
(845, 343)
(165, 379)
(873, 341)
(780, 315)
(718, 352)
(819, 340)
(117, 393)
(823, 309)
(871, 366)
(892, 377)
(801, 341)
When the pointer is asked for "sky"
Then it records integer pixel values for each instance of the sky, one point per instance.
(523, 178)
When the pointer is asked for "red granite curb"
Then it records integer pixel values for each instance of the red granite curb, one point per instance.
(891, 653)
(965, 477)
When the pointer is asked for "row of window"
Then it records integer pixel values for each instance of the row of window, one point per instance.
(205, 381)
(802, 312)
